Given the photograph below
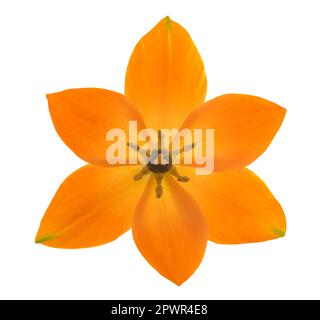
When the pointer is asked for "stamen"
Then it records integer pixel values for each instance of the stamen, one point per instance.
(160, 160)
(159, 188)
(133, 146)
(144, 171)
(188, 148)
(160, 168)
(143, 152)
(173, 171)
(183, 179)
(183, 149)
(160, 139)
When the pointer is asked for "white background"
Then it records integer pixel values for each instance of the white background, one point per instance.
(266, 48)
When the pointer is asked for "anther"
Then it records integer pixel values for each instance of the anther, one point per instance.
(173, 171)
(183, 179)
(159, 188)
(188, 147)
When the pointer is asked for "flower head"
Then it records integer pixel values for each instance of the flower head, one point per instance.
(172, 211)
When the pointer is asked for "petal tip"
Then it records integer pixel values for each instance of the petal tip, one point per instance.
(280, 233)
(179, 282)
(50, 96)
(176, 280)
(168, 22)
(41, 240)
(283, 112)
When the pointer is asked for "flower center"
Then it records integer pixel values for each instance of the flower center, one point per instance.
(159, 168)
(159, 164)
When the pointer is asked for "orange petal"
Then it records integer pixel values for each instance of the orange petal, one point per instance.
(165, 76)
(90, 209)
(170, 231)
(82, 118)
(244, 126)
(238, 206)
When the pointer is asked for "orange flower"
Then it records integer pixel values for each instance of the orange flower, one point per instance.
(165, 84)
